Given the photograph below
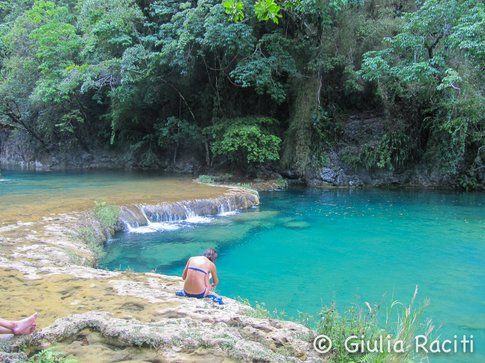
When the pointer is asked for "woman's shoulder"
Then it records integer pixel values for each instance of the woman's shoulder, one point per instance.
(197, 259)
(202, 260)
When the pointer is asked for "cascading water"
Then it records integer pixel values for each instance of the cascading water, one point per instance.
(168, 216)
(352, 246)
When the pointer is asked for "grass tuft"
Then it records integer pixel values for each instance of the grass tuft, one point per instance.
(92, 240)
(106, 214)
(260, 311)
(400, 323)
(95, 232)
(206, 179)
(50, 356)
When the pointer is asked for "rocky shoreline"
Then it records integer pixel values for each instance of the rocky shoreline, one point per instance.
(340, 165)
(46, 266)
(341, 168)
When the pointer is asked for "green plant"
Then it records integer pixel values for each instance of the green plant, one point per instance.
(50, 356)
(245, 140)
(206, 179)
(145, 150)
(267, 10)
(430, 72)
(106, 214)
(391, 152)
(351, 157)
(281, 183)
(260, 311)
(235, 9)
(174, 133)
(468, 182)
(400, 323)
(92, 241)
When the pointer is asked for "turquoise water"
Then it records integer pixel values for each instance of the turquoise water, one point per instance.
(29, 196)
(304, 248)
(301, 248)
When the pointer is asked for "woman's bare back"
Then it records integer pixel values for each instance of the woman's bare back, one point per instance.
(196, 275)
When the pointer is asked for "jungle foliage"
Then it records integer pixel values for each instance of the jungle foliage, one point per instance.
(157, 77)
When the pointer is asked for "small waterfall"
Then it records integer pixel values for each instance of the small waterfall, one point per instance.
(226, 209)
(164, 216)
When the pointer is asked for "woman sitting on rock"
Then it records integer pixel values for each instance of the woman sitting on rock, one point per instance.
(197, 274)
(19, 327)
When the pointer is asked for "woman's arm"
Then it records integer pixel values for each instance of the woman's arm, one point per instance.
(184, 274)
(215, 279)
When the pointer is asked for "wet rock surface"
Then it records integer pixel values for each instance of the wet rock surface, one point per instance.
(344, 167)
(88, 312)
(141, 215)
(18, 151)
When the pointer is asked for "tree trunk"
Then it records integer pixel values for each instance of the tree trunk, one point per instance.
(175, 153)
(297, 145)
(17, 120)
(208, 160)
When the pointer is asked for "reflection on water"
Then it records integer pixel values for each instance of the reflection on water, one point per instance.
(304, 248)
(28, 196)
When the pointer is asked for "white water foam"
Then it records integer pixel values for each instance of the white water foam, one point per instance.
(154, 227)
(198, 219)
(173, 224)
(229, 213)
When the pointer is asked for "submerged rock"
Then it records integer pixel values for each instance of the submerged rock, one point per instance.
(297, 225)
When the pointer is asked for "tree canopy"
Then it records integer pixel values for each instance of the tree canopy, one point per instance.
(248, 82)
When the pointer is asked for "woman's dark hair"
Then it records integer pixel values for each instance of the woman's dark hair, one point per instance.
(211, 254)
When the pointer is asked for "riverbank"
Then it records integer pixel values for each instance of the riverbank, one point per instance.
(46, 266)
(341, 166)
(28, 196)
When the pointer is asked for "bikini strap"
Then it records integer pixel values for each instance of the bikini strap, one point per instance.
(197, 269)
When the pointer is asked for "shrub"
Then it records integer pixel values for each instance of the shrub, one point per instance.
(281, 183)
(174, 133)
(94, 242)
(468, 182)
(206, 179)
(392, 151)
(399, 323)
(245, 140)
(106, 214)
(351, 157)
(369, 325)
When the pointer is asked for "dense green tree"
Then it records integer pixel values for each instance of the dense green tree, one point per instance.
(434, 68)
(310, 60)
(158, 78)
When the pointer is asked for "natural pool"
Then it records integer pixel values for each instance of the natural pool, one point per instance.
(303, 248)
(27, 196)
